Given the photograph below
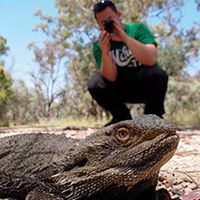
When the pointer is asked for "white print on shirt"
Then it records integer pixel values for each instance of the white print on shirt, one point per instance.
(124, 57)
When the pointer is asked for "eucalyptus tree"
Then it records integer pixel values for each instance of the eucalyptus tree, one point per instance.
(76, 28)
(5, 84)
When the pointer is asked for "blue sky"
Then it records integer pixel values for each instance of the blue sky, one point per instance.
(17, 22)
(16, 25)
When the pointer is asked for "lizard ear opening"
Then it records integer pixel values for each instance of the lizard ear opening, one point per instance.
(150, 135)
(82, 162)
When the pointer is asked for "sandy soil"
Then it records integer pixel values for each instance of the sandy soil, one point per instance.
(181, 175)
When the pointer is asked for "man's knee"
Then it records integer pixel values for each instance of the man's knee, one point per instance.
(158, 74)
(97, 87)
(93, 82)
(98, 82)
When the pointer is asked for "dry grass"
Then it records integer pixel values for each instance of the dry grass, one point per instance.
(185, 118)
(72, 122)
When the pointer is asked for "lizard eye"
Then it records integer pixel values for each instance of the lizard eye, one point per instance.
(122, 135)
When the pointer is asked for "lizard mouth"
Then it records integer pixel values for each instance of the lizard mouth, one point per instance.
(155, 150)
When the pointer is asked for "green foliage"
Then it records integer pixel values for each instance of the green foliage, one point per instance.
(5, 93)
(23, 107)
(172, 57)
(3, 47)
(182, 102)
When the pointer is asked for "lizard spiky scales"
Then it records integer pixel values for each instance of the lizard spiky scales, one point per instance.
(124, 158)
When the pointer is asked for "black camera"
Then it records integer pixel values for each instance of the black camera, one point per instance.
(108, 25)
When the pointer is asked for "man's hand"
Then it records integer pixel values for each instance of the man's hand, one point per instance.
(119, 33)
(108, 67)
(104, 42)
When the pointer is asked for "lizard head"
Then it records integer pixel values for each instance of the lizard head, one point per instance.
(122, 154)
(134, 143)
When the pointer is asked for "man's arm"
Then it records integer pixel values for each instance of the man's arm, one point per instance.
(145, 53)
(108, 67)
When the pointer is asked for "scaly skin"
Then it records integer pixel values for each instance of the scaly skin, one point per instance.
(121, 161)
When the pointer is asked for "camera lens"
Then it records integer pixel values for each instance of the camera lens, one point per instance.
(108, 25)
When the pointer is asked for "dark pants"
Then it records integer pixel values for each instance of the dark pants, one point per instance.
(146, 85)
